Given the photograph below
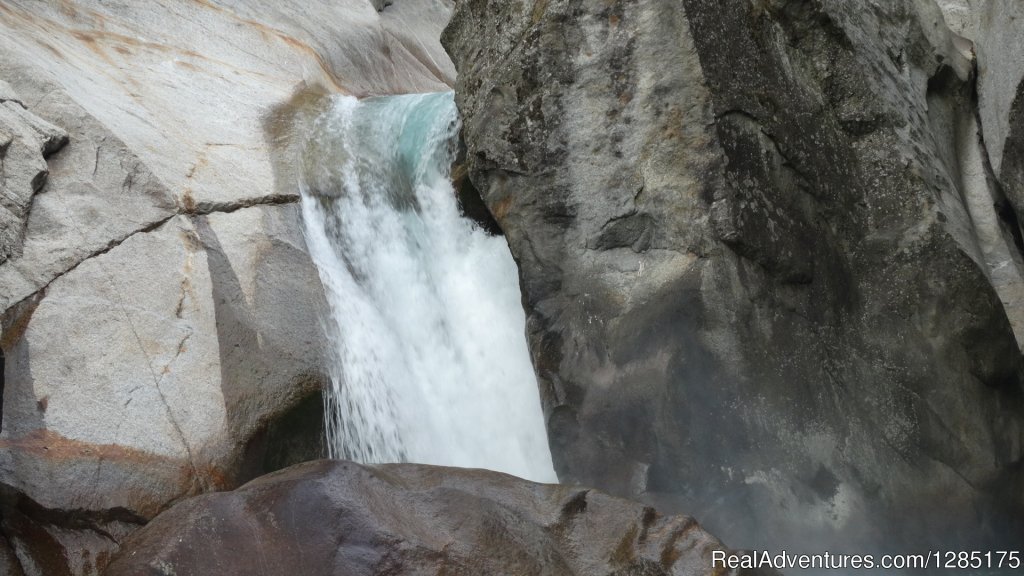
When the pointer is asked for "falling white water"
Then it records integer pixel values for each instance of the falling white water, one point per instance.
(432, 364)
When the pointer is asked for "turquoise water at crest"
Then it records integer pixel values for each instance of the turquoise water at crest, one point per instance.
(426, 319)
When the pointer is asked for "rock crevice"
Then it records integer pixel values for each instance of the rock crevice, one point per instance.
(202, 209)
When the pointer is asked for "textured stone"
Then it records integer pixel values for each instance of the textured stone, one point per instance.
(171, 103)
(25, 141)
(159, 315)
(999, 44)
(340, 518)
(999, 40)
(996, 32)
(187, 85)
(7, 94)
(959, 16)
(97, 194)
(9, 565)
(762, 265)
(158, 370)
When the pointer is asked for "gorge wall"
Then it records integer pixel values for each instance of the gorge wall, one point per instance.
(772, 268)
(769, 251)
(161, 330)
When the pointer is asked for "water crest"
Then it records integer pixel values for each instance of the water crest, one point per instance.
(426, 320)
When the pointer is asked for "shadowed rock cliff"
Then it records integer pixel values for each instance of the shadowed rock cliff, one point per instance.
(770, 275)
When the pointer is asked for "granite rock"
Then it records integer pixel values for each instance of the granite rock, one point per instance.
(767, 268)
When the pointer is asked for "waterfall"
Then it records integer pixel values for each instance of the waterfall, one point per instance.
(426, 320)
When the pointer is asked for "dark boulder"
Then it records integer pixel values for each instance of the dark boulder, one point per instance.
(345, 519)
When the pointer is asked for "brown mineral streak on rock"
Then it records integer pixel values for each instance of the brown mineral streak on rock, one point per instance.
(87, 37)
(502, 208)
(95, 40)
(15, 321)
(54, 446)
(329, 75)
(303, 47)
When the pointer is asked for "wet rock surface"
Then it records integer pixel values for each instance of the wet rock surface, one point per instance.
(767, 269)
(340, 518)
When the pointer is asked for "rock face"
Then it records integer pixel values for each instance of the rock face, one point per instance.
(25, 141)
(996, 28)
(160, 327)
(340, 518)
(768, 269)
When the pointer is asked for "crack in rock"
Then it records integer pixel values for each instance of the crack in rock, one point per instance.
(200, 209)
